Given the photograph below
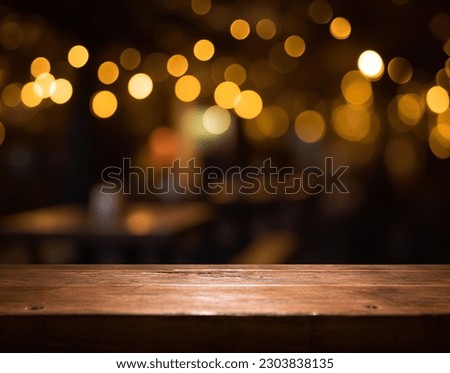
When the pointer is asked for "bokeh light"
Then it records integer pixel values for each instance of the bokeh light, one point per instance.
(187, 88)
(438, 144)
(39, 66)
(140, 222)
(204, 50)
(240, 29)
(216, 120)
(371, 64)
(350, 122)
(437, 99)
(78, 56)
(320, 12)
(357, 90)
(410, 108)
(440, 26)
(11, 95)
(235, 73)
(248, 104)
(340, 28)
(28, 95)
(177, 65)
(163, 144)
(201, 7)
(130, 58)
(446, 47)
(63, 91)
(2, 133)
(272, 122)
(294, 46)
(108, 72)
(400, 70)
(225, 94)
(266, 29)
(45, 85)
(310, 126)
(140, 86)
(103, 104)
(443, 132)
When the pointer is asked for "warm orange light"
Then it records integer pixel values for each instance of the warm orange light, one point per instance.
(11, 95)
(225, 94)
(45, 85)
(140, 86)
(29, 96)
(320, 12)
(357, 90)
(410, 109)
(437, 99)
(204, 50)
(78, 56)
(235, 73)
(130, 58)
(352, 123)
(63, 91)
(400, 70)
(272, 122)
(187, 88)
(39, 66)
(248, 104)
(310, 126)
(266, 29)
(340, 28)
(177, 65)
(240, 29)
(2, 133)
(294, 46)
(371, 64)
(201, 7)
(108, 72)
(103, 104)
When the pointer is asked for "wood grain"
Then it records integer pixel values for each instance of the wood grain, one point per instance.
(225, 308)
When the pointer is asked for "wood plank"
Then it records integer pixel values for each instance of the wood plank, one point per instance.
(225, 308)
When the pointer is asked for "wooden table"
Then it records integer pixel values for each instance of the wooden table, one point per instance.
(225, 308)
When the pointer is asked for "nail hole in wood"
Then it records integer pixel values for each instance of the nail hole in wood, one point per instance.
(372, 307)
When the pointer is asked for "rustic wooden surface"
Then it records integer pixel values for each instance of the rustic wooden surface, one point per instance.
(225, 308)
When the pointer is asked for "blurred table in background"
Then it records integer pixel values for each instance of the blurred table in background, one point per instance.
(284, 308)
(140, 223)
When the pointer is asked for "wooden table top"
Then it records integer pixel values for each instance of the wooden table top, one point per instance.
(225, 308)
(226, 290)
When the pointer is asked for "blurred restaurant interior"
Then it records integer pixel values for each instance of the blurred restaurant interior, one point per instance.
(87, 86)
